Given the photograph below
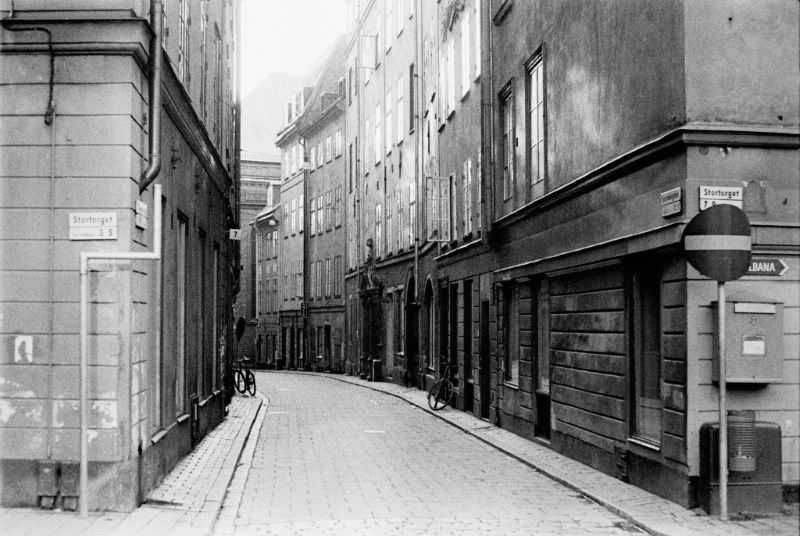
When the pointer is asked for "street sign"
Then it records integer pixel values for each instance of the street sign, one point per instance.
(717, 242)
(92, 225)
(766, 266)
(671, 202)
(235, 234)
(721, 195)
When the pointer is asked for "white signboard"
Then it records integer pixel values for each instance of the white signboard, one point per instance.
(92, 225)
(721, 195)
(235, 234)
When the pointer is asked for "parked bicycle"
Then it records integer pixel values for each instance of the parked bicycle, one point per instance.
(441, 392)
(244, 377)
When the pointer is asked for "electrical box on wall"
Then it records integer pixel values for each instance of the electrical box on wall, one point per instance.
(753, 340)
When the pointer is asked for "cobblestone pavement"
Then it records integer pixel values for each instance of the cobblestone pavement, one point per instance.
(333, 458)
(186, 503)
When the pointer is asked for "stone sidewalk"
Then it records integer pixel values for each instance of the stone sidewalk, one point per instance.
(650, 512)
(186, 503)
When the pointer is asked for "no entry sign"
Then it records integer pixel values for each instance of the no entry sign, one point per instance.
(717, 242)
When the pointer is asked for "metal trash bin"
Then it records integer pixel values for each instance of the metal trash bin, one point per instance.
(754, 466)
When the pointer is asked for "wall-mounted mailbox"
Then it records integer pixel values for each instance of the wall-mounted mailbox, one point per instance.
(753, 341)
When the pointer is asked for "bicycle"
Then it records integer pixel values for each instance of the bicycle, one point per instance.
(244, 377)
(441, 392)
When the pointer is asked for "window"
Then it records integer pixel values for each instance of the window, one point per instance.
(646, 333)
(412, 215)
(508, 140)
(389, 131)
(337, 208)
(465, 63)
(350, 86)
(328, 210)
(511, 334)
(467, 187)
(313, 157)
(438, 208)
(400, 13)
(301, 214)
(378, 230)
(338, 274)
(477, 57)
(313, 210)
(401, 86)
(180, 302)
(389, 228)
(378, 131)
(350, 168)
(453, 218)
(450, 66)
(536, 127)
(320, 159)
(411, 98)
(321, 214)
(294, 216)
(328, 277)
(328, 149)
(338, 143)
(183, 42)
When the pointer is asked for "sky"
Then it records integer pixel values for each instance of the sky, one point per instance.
(287, 36)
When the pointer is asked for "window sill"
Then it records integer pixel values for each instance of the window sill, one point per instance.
(465, 95)
(510, 385)
(649, 445)
(183, 417)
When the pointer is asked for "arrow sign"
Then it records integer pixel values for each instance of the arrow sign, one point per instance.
(717, 242)
(766, 266)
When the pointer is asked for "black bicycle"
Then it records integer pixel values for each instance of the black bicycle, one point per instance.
(245, 379)
(441, 392)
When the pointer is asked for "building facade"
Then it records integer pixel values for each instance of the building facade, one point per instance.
(259, 188)
(266, 229)
(78, 175)
(557, 160)
(323, 132)
(382, 137)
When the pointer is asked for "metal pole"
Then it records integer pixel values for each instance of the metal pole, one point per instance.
(84, 388)
(723, 417)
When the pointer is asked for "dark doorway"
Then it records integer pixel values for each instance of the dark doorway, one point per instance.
(411, 342)
(469, 381)
(485, 377)
(326, 362)
(541, 327)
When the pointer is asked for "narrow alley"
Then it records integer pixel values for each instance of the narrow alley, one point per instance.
(332, 458)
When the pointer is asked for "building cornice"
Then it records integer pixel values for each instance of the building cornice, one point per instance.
(725, 135)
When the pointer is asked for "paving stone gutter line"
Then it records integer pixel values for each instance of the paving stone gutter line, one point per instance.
(235, 484)
(655, 515)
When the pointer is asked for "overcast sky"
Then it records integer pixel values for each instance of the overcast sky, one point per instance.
(286, 36)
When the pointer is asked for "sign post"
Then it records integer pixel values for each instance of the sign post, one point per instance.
(717, 243)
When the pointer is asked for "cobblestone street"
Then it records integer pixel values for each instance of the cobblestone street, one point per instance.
(332, 458)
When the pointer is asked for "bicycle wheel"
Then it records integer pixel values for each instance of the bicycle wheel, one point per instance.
(436, 395)
(241, 382)
(251, 383)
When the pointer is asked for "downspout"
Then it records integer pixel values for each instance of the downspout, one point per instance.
(148, 176)
(154, 136)
(419, 84)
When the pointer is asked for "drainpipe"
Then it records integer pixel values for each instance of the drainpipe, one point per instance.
(147, 178)
(154, 138)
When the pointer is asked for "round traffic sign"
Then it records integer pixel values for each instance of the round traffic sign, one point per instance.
(717, 242)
